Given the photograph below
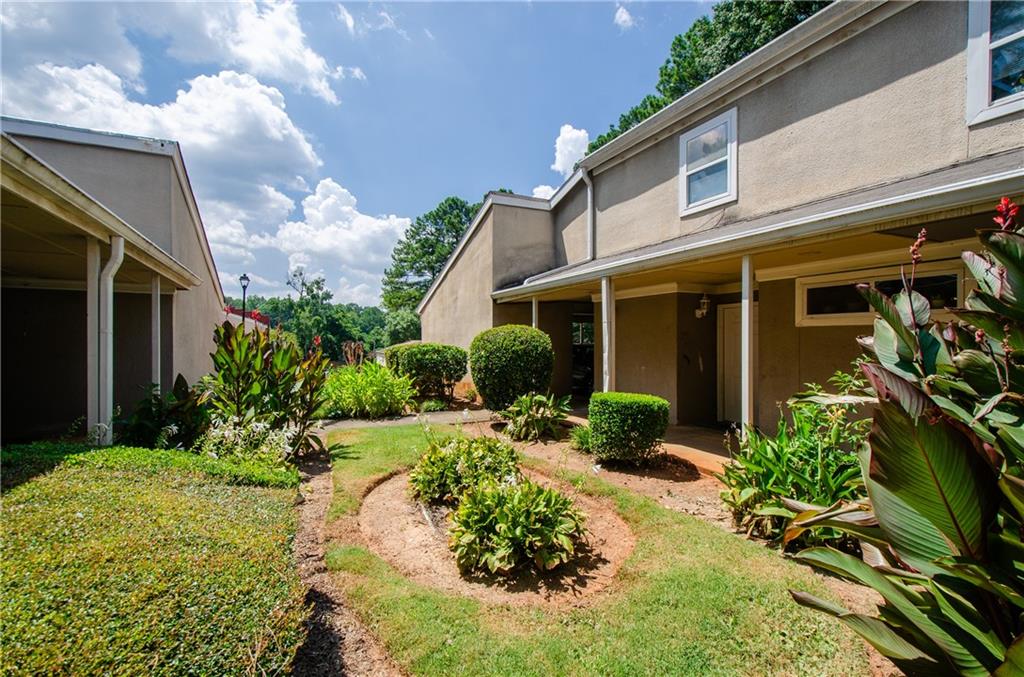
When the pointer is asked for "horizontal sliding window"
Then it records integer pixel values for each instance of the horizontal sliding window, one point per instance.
(707, 164)
(834, 299)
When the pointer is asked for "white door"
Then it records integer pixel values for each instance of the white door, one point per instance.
(729, 328)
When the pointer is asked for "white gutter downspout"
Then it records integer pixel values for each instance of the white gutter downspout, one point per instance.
(107, 337)
(591, 217)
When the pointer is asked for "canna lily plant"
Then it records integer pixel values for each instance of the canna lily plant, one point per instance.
(941, 527)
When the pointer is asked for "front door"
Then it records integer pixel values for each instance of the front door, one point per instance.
(729, 330)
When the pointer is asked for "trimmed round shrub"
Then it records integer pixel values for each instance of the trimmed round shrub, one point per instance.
(510, 361)
(393, 355)
(434, 368)
(627, 426)
(451, 466)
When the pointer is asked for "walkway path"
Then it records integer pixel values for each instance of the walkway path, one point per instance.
(437, 417)
(336, 642)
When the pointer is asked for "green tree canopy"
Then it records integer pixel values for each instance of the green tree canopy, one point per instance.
(735, 29)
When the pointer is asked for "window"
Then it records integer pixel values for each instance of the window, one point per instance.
(834, 299)
(995, 59)
(707, 164)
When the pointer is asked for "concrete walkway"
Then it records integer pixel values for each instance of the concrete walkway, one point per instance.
(435, 417)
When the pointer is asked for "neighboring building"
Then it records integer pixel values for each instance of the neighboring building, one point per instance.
(730, 227)
(108, 281)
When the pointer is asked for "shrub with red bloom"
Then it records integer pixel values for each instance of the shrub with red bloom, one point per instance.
(1007, 211)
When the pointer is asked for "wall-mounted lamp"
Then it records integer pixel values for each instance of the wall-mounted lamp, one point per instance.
(702, 309)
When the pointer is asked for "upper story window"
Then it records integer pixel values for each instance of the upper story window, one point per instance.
(707, 164)
(995, 59)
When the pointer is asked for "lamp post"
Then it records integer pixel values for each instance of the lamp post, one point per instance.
(244, 281)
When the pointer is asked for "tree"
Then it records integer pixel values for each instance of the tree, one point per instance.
(402, 325)
(735, 29)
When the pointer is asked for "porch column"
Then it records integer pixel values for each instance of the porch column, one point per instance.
(747, 342)
(106, 303)
(92, 332)
(535, 308)
(154, 329)
(607, 334)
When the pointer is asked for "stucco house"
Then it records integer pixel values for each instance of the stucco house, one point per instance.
(108, 283)
(714, 247)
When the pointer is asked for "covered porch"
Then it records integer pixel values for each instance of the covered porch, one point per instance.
(87, 305)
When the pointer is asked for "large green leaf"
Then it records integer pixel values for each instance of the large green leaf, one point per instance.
(890, 350)
(906, 344)
(1008, 249)
(1014, 665)
(914, 308)
(933, 468)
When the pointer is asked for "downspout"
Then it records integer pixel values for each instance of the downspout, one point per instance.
(591, 216)
(107, 336)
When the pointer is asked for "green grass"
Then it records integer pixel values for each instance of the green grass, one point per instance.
(691, 600)
(133, 561)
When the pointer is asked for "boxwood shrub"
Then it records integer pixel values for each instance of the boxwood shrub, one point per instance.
(627, 426)
(434, 368)
(510, 361)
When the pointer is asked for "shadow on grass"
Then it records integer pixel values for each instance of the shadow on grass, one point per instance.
(22, 462)
(342, 452)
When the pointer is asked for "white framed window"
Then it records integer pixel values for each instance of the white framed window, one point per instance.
(707, 164)
(995, 59)
(831, 300)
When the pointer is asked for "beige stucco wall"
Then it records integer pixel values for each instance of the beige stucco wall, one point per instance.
(570, 226)
(198, 310)
(522, 243)
(868, 111)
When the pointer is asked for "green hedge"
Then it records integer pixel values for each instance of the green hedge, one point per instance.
(627, 426)
(510, 361)
(434, 368)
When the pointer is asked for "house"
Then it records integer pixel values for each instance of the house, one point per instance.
(108, 280)
(712, 249)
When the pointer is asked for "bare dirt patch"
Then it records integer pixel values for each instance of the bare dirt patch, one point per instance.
(415, 541)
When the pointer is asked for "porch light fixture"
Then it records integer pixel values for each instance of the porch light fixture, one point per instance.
(702, 309)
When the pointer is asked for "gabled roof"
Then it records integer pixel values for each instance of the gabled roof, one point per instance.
(140, 144)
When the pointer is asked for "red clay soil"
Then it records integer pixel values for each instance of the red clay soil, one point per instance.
(336, 642)
(414, 540)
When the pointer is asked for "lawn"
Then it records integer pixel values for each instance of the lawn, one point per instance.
(692, 599)
(133, 561)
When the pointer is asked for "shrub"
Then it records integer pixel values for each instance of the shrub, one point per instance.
(941, 527)
(370, 390)
(450, 466)
(175, 420)
(810, 459)
(580, 438)
(627, 426)
(499, 526)
(532, 416)
(509, 361)
(393, 355)
(247, 440)
(433, 367)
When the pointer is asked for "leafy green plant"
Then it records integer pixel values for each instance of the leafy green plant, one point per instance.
(247, 440)
(450, 466)
(430, 406)
(627, 426)
(810, 460)
(509, 361)
(434, 368)
(580, 437)
(499, 526)
(944, 471)
(534, 416)
(370, 390)
(174, 420)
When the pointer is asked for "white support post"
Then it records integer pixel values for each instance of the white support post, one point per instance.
(535, 308)
(106, 303)
(92, 332)
(607, 334)
(747, 342)
(154, 328)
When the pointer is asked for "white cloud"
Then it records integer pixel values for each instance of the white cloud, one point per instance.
(380, 20)
(345, 17)
(543, 191)
(623, 19)
(570, 147)
(265, 39)
(334, 235)
(429, 34)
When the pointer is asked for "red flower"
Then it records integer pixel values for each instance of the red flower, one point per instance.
(316, 340)
(915, 249)
(1007, 214)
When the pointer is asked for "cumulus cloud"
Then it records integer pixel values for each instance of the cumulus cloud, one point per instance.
(265, 39)
(543, 191)
(623, 19)
(334, 235)
(570, 147)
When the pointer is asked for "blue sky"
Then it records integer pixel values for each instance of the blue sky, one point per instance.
(313, 133)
